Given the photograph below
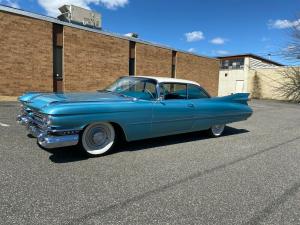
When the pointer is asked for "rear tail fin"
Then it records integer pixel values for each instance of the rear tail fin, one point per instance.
(241, 98)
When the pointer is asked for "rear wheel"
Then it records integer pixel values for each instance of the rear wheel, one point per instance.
(98, 138)
(216, 130)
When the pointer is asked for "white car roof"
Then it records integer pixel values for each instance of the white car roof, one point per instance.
(169, 79)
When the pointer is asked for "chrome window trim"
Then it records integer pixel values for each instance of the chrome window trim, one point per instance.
(186, 84)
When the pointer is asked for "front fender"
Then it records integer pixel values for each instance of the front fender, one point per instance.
(134, 118)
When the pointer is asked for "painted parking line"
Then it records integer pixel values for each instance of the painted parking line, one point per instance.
(4, 125)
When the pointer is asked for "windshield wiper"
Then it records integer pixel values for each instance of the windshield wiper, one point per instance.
(104, 90)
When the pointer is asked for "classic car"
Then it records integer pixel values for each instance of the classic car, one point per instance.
(133, 107)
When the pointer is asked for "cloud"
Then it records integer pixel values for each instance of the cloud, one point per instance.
(221, 52)
(193, 50)
(11, 3)
(218, 41)
(194, 36)
(283, 24)
(113, 4)
(51, 6)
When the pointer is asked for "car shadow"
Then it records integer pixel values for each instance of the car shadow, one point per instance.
(172, 139)
(66, 154)
(74, 153)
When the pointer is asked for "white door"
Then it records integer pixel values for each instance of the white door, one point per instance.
(239, 86)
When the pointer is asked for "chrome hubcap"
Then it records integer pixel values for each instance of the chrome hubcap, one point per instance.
(98, 138)
(217, 129)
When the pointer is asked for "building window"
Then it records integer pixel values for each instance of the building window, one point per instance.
(131, 58)
(232, 64)
(173, 69)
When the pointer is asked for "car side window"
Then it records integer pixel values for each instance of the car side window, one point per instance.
(143, 90)
(196, 92)
(170, 91)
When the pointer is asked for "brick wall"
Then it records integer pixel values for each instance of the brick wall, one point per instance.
(92, 61)
(200, 69)
(25, 55)
(154, 61)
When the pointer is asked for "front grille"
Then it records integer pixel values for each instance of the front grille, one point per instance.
(36, 118)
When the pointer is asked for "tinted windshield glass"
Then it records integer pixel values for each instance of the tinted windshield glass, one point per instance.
(141, 88)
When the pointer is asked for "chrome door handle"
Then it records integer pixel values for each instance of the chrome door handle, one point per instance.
(190, 105)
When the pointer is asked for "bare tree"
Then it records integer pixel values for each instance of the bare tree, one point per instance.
(289, 87)
(292, 51)
(256, 89)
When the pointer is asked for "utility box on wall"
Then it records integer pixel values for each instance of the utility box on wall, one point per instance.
(78, 15)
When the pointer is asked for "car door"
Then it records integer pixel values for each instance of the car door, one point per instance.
(205, 112)
(174, 112)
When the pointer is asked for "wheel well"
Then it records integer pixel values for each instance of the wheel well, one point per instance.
(119, 131)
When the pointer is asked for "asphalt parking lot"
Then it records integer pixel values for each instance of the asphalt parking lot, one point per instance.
(251, 175)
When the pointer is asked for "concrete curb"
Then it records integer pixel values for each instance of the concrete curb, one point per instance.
(8, 98)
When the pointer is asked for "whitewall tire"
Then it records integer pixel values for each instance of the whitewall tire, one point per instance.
(217, 130)
(98, 138)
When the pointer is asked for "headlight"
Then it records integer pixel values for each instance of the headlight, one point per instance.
(24, 109)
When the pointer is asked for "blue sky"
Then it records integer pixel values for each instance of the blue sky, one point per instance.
(208, 27)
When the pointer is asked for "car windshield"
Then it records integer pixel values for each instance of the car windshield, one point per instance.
(142, 88)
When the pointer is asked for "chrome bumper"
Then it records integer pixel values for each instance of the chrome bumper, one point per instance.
(22, 120)
(47, 140)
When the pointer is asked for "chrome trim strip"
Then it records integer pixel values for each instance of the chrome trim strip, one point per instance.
(63, 130)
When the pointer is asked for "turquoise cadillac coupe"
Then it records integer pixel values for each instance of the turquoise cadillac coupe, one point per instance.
(133, 107)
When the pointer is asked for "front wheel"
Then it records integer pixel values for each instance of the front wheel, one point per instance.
(98, 138)
(216, 130)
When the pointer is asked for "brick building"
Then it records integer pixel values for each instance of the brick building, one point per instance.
(40, 53)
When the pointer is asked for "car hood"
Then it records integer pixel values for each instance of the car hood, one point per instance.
(42, 100)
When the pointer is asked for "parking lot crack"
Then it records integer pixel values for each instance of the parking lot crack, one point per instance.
(177, 182)
(269, 209)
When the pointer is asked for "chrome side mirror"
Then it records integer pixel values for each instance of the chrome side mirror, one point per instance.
(160, 98)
